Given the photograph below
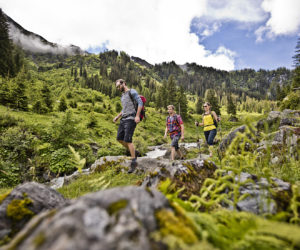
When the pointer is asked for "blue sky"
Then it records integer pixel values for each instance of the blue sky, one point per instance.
(268, 54)
(224, 34)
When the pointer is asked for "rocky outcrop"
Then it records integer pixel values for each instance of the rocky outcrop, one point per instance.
(224, 144)
(119, 218)
(189, 175)
(283, 130)
(24, 202)
(263, 196)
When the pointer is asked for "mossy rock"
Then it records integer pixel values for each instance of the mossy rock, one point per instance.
(22, 203)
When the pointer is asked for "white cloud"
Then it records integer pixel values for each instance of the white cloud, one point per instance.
(155, 30)
(235, 10)
(246, 13)
(284, 19)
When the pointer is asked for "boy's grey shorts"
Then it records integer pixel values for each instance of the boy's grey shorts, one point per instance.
(175, 140)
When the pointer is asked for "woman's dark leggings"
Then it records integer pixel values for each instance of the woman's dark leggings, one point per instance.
(209, 136)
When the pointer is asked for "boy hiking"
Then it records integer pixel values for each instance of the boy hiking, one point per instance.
(130, 117)
(175, 127)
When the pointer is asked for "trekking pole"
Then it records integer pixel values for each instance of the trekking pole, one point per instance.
(198, 138)
(220, 128)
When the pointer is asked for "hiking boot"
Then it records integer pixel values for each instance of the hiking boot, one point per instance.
(137, 154)
(133, 165)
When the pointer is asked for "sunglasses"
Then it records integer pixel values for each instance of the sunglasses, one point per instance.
(118, 86)
(205, 106)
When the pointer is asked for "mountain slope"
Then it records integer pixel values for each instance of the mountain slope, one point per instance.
(32, 42)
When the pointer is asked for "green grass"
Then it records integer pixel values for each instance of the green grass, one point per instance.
(94, 182)
(5, 190)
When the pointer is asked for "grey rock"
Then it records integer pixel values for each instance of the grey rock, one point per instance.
(290, 113)
(95, 221)
(103, 160)
(42, 197)
(273, 115)
(288, 122)
(229, 138)
(258, 202)
(261, 194)
(57, 182)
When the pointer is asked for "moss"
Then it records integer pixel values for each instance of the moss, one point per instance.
(170, 224)
(109, 164)
(116, 206)
(39, 239)
(17, 209)
(153, 174)
(3, 196)
(4, 240)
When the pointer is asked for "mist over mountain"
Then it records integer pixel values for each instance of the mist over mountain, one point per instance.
(32, 42)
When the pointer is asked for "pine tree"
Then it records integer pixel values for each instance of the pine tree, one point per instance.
(296, 57)
(171, 90)
(199, 106)
(6, 48)
(231, 107)
(19, 92)
(5, 92)
(212, 99)
(80, 71)
(62, 104)
(47, 97)
(182, 103)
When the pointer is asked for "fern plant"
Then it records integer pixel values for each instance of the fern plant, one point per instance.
(76, 159)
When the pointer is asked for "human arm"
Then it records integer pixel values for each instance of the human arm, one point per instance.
(199, 124)
(166, 132)
(182, 131)
(117, 117)
(139, 102)
(215, 116)
(137, 116)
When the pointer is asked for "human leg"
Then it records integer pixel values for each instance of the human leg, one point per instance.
(206, 134)
(174, 146)
(211, 136)
(172, 153)
(129, 130)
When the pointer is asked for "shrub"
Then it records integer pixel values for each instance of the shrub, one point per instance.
(16, 147)
(61, 161)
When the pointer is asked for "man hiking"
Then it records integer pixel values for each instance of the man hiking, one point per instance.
(175, 127)
(130, 117)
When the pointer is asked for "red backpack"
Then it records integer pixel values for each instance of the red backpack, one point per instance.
(143, 111)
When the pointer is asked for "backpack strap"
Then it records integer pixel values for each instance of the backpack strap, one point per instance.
(133, 101)
(178, 125)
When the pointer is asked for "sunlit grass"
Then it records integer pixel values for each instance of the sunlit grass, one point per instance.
(5, 190)
(96, 181)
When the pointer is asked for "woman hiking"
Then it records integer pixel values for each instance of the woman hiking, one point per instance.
(209, 121)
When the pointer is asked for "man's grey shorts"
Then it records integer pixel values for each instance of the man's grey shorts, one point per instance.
(126, 130)
(175, 140)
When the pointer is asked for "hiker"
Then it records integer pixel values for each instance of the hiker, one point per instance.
(175, 127)
(209, 121)
(130, 117)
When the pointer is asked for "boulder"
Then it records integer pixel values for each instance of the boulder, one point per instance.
(119, 218)
(263, 196)
(24, 202)
(188, 174)
(228, 139)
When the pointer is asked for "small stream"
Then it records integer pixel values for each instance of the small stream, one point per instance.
(158, 151)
